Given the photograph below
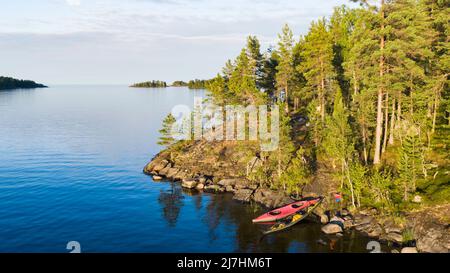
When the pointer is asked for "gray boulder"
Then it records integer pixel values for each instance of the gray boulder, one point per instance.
(171, 173)
(394, 237)
(157, 178)
(160, 165)
(213, 189)
(189, 183)
(331, 229)
(243, 195)
(409, 250)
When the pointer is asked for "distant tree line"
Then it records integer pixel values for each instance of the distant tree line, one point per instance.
(192, 84)
(150, 84)
(198, 84)
(179, 84)
(11, 83)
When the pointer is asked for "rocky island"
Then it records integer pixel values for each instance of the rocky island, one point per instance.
(7, 83)
(343, 129)
(150, 84)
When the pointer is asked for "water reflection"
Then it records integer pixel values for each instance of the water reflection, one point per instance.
(171, 202)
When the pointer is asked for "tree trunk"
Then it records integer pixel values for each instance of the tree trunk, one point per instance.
(287, 97)
(365, 153)
(296, 103)
(391, 133)
(379, 130)
(386, 122)
(355, 83)
(350, 183)
(322, 95)
(279, 167)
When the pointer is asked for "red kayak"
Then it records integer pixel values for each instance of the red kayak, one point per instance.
(283, 212)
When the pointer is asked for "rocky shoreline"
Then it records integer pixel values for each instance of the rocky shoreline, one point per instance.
(421, 232)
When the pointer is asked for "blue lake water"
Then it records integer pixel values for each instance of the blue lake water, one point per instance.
(71, 160)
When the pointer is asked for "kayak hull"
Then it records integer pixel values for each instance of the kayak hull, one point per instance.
(293, 219)
(286, 211)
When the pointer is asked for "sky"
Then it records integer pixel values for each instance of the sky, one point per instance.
(123, 42)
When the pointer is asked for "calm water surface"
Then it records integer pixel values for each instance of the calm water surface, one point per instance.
(71, 160)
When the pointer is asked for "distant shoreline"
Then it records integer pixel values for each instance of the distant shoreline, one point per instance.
(192, 84)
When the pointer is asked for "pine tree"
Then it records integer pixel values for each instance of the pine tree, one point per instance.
(411, 161)
(166, 138)
(279, 159)
(242, 83)
(218, 90)
(269, 72)
(338, 142)
(317, 63)
(341, 26)
(256, 59)
(285, 66)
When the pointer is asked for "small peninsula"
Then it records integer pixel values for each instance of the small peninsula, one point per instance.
(7, 83)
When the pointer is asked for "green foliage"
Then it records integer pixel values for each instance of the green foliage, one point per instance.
(198, 84)
(150, 84)
(285, 66)
(179, 84)
(338, 142)
(335, 76)
(358, 178)
(166, 138)
(410, 164)
(408, 235)
(380, 189)
(298, 173)
(317, 64)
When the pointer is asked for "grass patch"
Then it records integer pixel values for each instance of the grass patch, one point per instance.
(437, 190)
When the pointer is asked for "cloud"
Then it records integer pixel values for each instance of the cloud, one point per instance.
(73, 3)
(116, 41)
